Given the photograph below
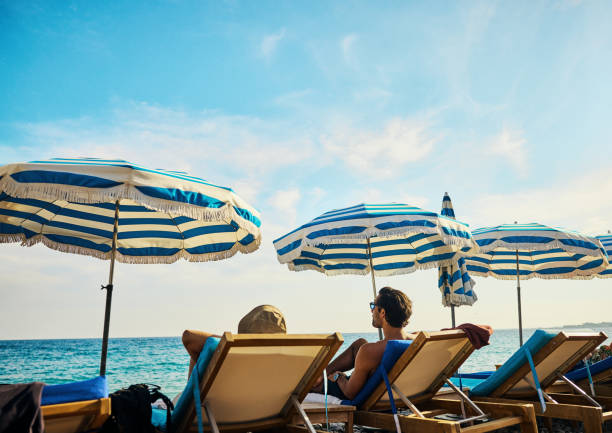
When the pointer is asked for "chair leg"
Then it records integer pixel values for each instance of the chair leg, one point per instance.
(529, 424)
(592, 424)
(548, 423)
(348, 425)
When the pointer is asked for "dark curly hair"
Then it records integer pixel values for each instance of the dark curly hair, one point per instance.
(397, 306)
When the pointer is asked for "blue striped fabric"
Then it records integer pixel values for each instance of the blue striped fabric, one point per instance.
(454, 282)
(606, 242)
(543, 252)
(403, 238)
(174, 216)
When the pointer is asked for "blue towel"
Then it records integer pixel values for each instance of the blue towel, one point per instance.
(393, 351)
(158, 416)
(538, 340)
(596, 368)
(91, 389)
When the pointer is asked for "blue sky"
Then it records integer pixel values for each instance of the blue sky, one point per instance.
(302, 108)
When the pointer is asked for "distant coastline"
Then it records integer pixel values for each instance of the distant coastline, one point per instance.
(589, 325)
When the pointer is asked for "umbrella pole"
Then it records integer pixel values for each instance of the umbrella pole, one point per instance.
(518, 294)
(453, 315)
(380, 336)
(109, 294)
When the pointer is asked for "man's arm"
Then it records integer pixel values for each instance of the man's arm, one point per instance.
(365, 363)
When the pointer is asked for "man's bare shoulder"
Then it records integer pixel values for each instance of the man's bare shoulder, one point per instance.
(371, 353)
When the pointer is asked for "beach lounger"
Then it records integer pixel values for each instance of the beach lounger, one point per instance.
(550, 356)
(75, 407)
(247, 382)
(600, 383)
(416, 371)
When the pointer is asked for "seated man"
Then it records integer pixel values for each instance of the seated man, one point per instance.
(264, 319)
(390, 311)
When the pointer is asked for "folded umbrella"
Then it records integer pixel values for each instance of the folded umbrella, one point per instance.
(454, 282)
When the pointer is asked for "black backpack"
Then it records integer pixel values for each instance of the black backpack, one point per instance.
(131, 409)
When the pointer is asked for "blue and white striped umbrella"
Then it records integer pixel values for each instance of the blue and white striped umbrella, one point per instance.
(606, 242)
(380, 239)
(454, 282)
(113, 209)
(524, 251)
(543, 252)
(69, 205)
(401, 238)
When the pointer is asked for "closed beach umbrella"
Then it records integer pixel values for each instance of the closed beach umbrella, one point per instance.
(112, 209)
(380, 239)
(524, 251)
(606, 242)
(454, 282)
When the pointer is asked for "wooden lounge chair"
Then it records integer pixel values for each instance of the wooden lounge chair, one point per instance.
(599, 385)
(417, 375)
(552, 355)
(257, 381)
(80, 416)
(75, 407)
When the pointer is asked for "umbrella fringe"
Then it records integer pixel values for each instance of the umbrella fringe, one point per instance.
(366, 271)
(11, 238)
(74, 249)
(571, 276)
(64, 248)
(74, 194)
(498, 243)
(374, 233)
(458, 300)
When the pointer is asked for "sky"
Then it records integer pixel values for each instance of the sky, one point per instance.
(304, 107)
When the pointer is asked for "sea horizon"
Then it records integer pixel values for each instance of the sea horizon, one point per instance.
(164, 361)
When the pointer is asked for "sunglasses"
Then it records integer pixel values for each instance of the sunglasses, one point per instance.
(373, 305)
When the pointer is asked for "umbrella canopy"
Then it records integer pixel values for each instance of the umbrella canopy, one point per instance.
(543, 252)
(143, 235)
(524, 251)
(380, 239)
(606, 242)
(454, 282)
(401, 239)
(113, 209)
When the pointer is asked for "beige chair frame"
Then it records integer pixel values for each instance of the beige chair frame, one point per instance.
(578, 407)
(291, 413)
(76, 416)
(422, 419)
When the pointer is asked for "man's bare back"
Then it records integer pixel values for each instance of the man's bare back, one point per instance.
(366, 362)
(390, 312)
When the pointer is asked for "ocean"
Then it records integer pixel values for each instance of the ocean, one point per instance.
(163, 361)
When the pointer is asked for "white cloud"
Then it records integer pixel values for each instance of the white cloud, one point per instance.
(510, 145)
(230, 150)
(269, 43)
(346, 44)
(382, 152)
(375, 95)
(316, 194)
(285, 202)
(577, 203)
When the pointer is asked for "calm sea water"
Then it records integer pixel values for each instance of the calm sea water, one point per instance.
(163, 361)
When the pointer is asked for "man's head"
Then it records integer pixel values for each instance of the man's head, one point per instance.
(392, 306)
(265, 319)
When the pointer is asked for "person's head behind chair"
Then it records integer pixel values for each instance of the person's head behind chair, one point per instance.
(396, 305)
(264, 319)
